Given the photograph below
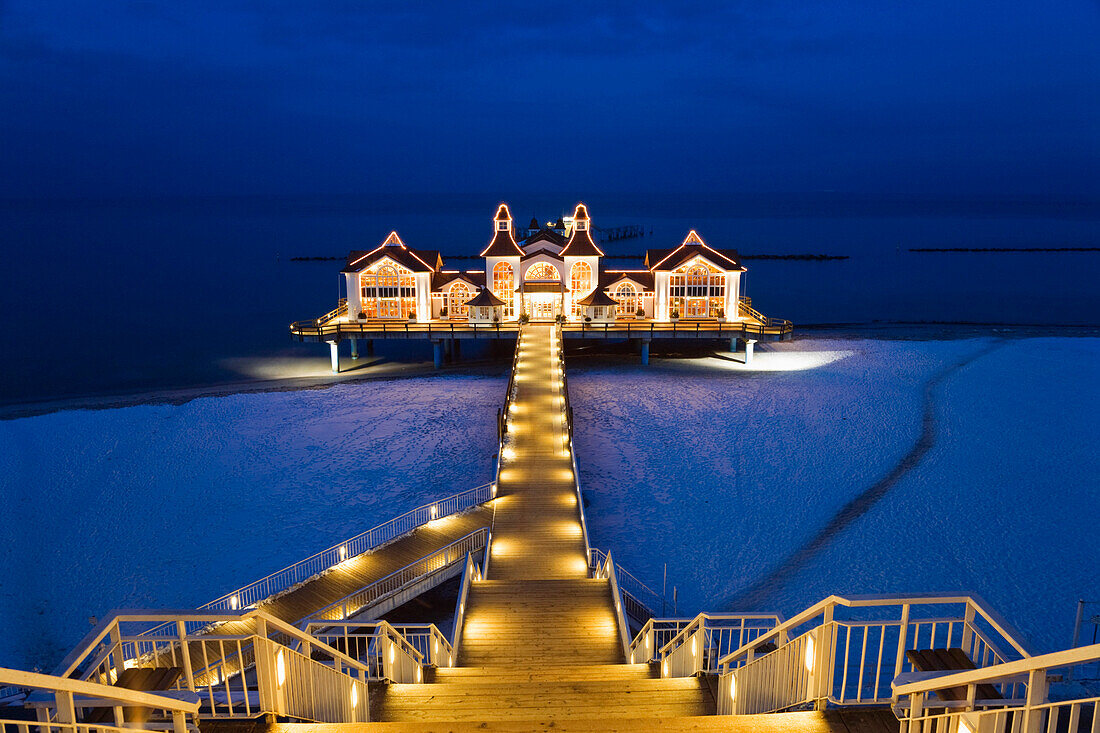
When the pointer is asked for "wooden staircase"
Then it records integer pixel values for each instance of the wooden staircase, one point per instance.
(541, 639)
(541, 648)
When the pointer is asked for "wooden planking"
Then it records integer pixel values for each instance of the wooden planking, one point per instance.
(831, 721)
(348, 577)
(370, 567)
(540, 639)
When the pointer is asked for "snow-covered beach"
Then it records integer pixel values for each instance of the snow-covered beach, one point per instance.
(742, 478)
(774, 485)
(170, 506)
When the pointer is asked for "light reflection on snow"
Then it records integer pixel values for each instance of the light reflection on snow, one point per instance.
(779, 361)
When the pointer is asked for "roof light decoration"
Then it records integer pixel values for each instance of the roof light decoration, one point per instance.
(503, 243)
(580, 241)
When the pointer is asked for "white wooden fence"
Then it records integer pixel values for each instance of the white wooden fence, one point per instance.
(818, 657)
(61, 705)
(1031, 711)
(267, 666)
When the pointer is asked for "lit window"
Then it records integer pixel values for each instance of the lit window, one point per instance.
(542, 271)
(456, 303)
(580, 283)
(504, 286)
(628, 301)
(388, 292)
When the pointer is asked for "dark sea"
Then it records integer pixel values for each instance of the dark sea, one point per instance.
(121, 297)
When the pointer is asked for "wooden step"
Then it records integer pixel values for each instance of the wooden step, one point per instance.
(505, 675)
(544, 699)
(832, 721)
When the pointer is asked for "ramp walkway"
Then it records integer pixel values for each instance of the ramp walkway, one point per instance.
(363, 570)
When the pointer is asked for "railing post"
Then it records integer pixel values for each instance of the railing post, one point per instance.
(903, 632)
(968, 628)
(66, 710)
(916, 710)
(1036, 695)
(116, 642)
(185, 653)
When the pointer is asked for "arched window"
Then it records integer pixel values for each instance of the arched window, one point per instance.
(388, 292)
(697, 291)
(627, 297)
(542, 271)
(580, 282)
(456, 303)
(504, 286)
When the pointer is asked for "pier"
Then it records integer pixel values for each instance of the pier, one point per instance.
(741, 333)
(548, 633)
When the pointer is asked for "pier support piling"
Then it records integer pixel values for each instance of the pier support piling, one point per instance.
(334, 354)
(437, 353)
(749, 343)
(458, 349)
(733, 344)
(354, 349)
(645, 352)
(369, 343)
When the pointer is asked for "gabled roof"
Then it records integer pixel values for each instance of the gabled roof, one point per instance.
(484, 298)
(610, 278)
(580, 242)
(417, 260)
(503, 243)
(692, 246)
(545, 235)
(597, 297)
(443, 279)
(528, 256)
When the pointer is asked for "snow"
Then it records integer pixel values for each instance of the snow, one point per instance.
(728, 472)
(723, 470)
(170, 506)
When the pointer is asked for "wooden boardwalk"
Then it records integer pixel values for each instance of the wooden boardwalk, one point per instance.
(363, 570)
(541, 639)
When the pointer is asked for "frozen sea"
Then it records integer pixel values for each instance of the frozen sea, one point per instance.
(751, 482)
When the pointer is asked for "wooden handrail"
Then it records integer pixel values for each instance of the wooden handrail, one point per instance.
(1053, 660)
(121, 695)
(994, 619)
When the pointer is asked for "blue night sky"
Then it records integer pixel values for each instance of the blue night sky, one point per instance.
(234, 97)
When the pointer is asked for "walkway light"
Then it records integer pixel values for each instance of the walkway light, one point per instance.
(280, 668)
(809, 654)
(434, 511)
(733, 688)
(354, 696)
(695, 647)
(418, 673)
(343, 552)
(234, 602)
(664, 668)
(392, 652)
